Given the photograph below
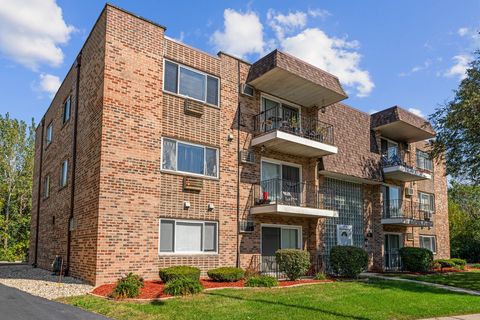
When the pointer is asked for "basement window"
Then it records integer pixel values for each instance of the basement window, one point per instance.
(190, 83)
(187, 236)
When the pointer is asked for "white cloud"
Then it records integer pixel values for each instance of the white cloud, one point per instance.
(463, 31)
(31, 32)
(283, 24)
(418, 68)
(49, 83)
(417, 112)
(242, 34)
(334, 55)
(460, 67)
(319, 13)
(372, 111)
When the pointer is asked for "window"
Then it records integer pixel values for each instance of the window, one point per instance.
(428, 242)
(46, 187)
(190, 83)
(66, 110)
(423, 161)
(179, 236)
(426, 201)
(189, 158)
(49, 133)
(64, 174)
(389, 149)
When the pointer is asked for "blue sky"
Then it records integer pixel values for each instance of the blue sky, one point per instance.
(408, 53)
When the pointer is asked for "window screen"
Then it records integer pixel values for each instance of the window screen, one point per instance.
(210, 237)
(190, 158)
(192, 84)
(167, 233)
(171, 76)
(212, 90)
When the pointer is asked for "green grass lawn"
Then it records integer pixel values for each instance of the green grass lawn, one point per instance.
(373, 299)
(467, 280)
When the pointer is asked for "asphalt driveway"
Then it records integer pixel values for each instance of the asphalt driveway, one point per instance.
(19, 305)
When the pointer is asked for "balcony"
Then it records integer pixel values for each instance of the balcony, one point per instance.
(396, 169)
(401, 125)
(407, 213)
(292, 79)
(292, 198)
(301, 136)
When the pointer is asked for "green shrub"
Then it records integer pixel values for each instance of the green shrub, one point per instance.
(261, 281)
(348, 261)
(293, 262)
(226, 274)
(416, 259)
(172, 273)
(320, 276)
(128, 287)
(183, 287)
(460, 263)
(476, 265)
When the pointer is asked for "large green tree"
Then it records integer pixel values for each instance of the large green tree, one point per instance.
(16, 173)
(464, 220)
(457, 123)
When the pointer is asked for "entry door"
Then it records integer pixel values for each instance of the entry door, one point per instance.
(392, 256)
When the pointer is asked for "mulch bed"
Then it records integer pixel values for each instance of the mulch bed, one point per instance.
(153, 289)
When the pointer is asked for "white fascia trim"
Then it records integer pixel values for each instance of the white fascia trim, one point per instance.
(294, 211)
(407, 171)
(277, 134)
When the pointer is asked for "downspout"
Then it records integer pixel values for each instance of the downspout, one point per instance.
(74, 162)
(238, 167)
(39, 195)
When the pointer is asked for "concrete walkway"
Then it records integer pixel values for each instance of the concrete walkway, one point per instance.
(465, 317)
(436, 285)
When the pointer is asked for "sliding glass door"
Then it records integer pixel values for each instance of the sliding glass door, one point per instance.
(281, 182)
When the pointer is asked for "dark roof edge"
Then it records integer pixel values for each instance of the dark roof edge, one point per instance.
(135, 15)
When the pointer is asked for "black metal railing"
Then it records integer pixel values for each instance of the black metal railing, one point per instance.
(267, 265)
(292, 193)
(393, 261)
(305, 127)
(407, 209)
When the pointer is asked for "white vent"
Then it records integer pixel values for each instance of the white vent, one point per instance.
(246, 226)
(409, 192)
(247, 156)
(247, 90)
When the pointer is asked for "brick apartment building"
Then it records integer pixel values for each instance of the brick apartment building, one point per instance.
(153, 154)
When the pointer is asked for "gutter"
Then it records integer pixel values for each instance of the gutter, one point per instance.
(74, 164)
(238, 169)
(39, 195)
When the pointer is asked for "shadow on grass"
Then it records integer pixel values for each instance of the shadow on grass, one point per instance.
(288, 305)
(407, 286)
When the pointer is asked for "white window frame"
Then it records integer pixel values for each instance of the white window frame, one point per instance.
(178, 83)
(281, 102)
(282, 226)
(433, 241)
(69, 99)
(64, 173)
(49, 134)
(431, 196)
(392, 142)
(190, 173)
(279, 162)
(423, 156)
(161, 253)
(46, 187)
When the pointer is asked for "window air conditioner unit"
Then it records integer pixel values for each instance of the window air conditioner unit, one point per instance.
(247, 156)
(246, 226)
(409, 192)
(247, 90)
